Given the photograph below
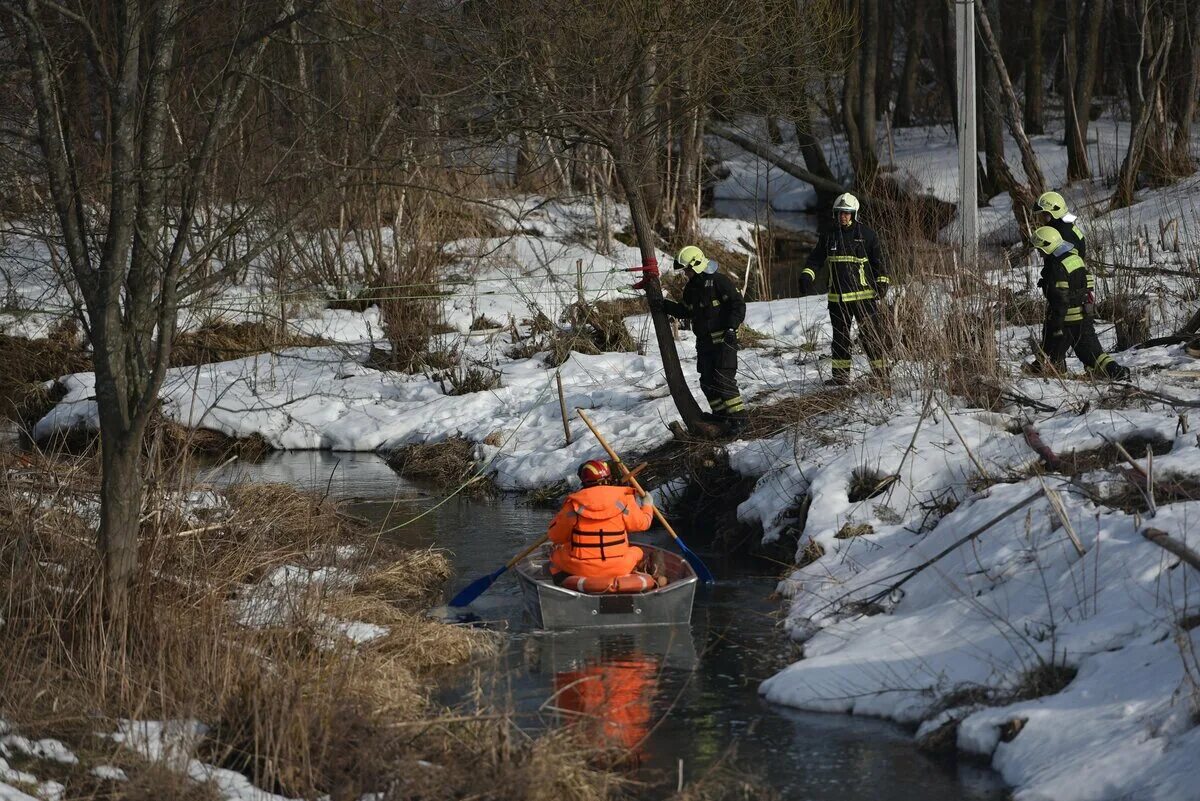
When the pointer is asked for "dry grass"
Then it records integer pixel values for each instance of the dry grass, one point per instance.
(448, 463)
(292, 707)
(219, 341)
(30, 363)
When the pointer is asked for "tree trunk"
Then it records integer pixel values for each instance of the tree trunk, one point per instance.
(947, 42)
(992, 118)
(687, 191)
(649, 138)
(1127, 23)
(1023, 195)
(120, 513)
(689, 410)
(1035, 89)
(1186, 84)
(766, 152)
(1151, 101)
(812, 152)
(884, 68)
(1086, 53)
(868, 59)
(914, 39)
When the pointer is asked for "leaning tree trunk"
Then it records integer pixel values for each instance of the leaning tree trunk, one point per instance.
(1035, 90)
(992, 121)
(689, 410)
(914, 40)
(1023, 195)
(812, 152)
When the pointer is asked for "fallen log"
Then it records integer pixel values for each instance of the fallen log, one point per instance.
(1164, 540)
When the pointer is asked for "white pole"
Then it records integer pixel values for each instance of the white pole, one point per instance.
(968, 181)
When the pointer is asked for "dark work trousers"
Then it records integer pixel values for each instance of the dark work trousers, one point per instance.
(842, 316)
(717, 365)
(1058, 338)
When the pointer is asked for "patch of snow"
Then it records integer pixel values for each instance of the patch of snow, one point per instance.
(109, 772)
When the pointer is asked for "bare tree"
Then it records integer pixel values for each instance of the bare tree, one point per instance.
(1035, 89)
(1157, 27)
(914, 41)
(133, 227)
(1083, 17)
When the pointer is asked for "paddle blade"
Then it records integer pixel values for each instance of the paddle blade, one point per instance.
(702, 571)
(476, 588)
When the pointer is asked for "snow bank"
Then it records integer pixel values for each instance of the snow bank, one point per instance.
(993, 612)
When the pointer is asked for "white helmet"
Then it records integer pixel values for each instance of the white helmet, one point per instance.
(846, 202)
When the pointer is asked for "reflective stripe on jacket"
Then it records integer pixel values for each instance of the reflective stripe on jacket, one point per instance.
(853, 261)
(1066, 284)
(1068, 226)
(713, 304)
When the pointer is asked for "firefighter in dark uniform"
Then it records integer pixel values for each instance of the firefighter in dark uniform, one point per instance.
(716, 309)
(1051, 209)
(1069, 290)
(851, 256)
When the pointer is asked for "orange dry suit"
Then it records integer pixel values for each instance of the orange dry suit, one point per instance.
(592, 531)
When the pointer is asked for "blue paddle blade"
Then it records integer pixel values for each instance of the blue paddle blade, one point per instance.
(702, 571)
(476, 588)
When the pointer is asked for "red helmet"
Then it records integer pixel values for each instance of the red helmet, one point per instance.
(594, 471)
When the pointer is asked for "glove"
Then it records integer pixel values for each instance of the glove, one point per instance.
(881, 289)
(731, 337)
(806, 285)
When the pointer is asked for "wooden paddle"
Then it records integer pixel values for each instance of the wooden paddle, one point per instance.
(695, 561)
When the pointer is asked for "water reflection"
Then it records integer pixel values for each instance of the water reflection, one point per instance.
(670, 694)
(609, 686)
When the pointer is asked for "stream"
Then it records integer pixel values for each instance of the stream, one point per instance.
(686, 696)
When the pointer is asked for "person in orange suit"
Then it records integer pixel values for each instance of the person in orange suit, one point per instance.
(591, 530)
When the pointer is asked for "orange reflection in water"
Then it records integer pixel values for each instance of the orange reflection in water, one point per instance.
(610, 702)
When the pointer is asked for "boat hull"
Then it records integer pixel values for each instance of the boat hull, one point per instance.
(553, 607)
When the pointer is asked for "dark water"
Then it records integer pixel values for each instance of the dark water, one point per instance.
(683, 693)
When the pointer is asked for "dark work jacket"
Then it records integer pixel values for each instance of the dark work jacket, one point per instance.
(854, 261)
(1068, 226)
(712, 303)
(1066, 283)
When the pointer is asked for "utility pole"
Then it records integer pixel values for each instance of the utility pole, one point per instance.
(968, 181)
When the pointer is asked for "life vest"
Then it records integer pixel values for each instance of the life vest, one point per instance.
(598, 546)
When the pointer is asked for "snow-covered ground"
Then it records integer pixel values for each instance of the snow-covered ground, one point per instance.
(960, 640)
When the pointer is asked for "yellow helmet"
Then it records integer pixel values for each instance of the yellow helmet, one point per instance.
(1053, 204)
(692, 258)
(1047, 239)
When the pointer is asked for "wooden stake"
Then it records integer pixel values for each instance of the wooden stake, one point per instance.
(1060, 511)
(579, 282)
(562, 406)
